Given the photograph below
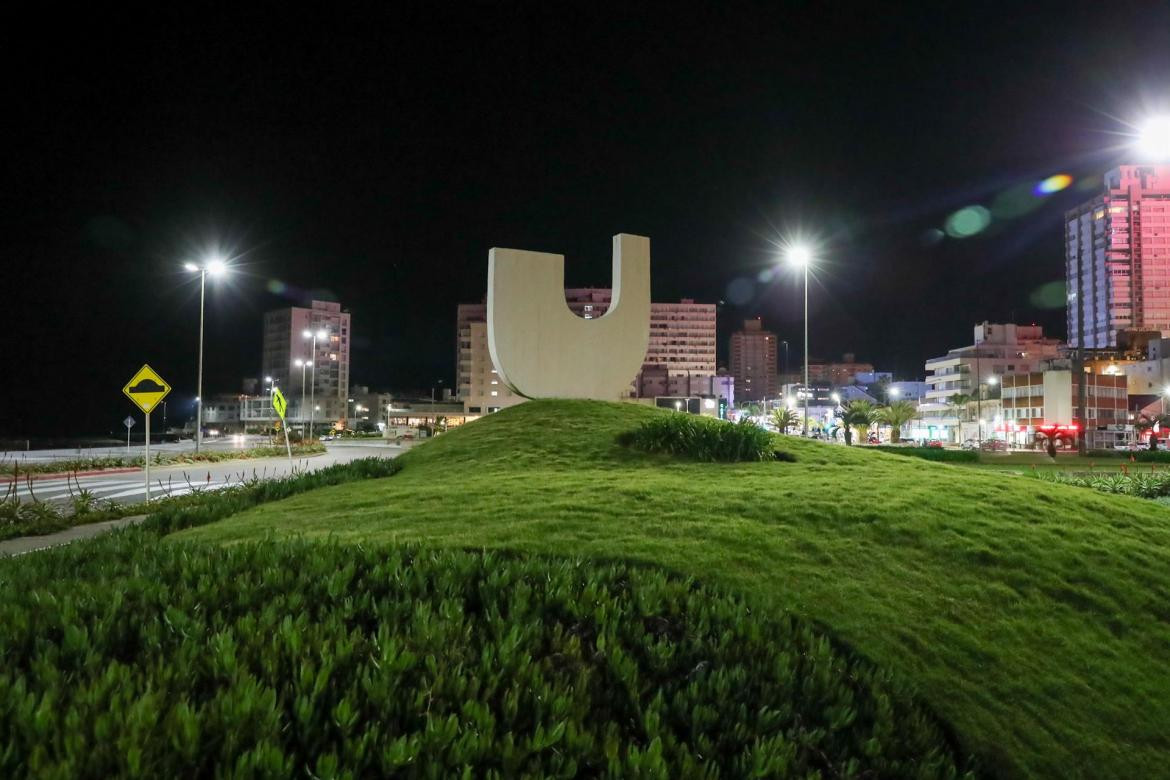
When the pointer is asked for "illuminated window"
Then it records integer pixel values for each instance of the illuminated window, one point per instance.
(495, 392)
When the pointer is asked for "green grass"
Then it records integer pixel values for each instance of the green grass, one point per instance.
(18, 468)
(1034, 618)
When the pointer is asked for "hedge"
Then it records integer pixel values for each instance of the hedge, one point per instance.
(933, 453)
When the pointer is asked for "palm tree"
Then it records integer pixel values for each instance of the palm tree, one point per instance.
(896, 415)
(855, 414)
(784, 418)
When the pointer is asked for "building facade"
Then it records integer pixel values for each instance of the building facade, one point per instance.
(1043, 404)
(327, 381)
(753, 362)
(975, 371)
(680, 354)
(1117, 258)
(839, 373)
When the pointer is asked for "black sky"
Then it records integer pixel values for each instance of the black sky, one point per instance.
(374, 158)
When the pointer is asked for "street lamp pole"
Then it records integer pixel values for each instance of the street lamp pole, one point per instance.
(199, 379)
(215, 266)
(314, 334)
(806, 387)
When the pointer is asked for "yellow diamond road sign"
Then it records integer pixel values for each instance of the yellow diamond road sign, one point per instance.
(146, 389)
(278, 402)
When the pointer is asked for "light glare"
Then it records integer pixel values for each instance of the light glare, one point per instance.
(799, 255)
(1154, 139)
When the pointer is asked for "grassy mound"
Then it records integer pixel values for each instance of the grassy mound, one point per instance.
(299, 660)
(1032, 617)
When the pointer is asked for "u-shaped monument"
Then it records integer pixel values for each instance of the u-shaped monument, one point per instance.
(541, 349)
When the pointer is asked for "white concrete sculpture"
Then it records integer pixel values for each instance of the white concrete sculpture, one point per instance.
(542, 350)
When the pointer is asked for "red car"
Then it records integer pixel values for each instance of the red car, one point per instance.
(936, 443)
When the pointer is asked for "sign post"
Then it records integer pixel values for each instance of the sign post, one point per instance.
(129, 423)
(146, 389)
(281, 406)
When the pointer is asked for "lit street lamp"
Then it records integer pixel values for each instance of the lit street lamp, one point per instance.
(320, 333)
(216, 267)
(1154, 139)
(303, 364)
(801, 257)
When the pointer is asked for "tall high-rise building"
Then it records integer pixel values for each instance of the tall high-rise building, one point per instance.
(1117, 258)
(753, 362)
(680, 355)
(285, 342)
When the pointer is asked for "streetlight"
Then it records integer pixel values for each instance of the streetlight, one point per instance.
(1165, 392)
(1154, 139)
(801, 257)
(216, 267)
(302, 365)
(320, 333)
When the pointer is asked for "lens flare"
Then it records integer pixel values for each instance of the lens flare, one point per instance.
(967, 222)
(740, 291)
(276, 287)
(1054, 183)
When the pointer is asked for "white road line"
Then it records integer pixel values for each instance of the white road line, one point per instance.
(63, 490)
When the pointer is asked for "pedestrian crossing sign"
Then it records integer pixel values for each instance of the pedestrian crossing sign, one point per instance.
(146, 389)
(278, 402)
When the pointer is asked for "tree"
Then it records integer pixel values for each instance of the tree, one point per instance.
(959, 403)
(896, 415)
(855, 414)
(784, 418)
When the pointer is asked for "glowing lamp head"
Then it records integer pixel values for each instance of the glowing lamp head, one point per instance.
(799, 256)
(894, 392)
(1154, 139)
(322, 333)
(189, 266)
(216, 266)
(993, 380)
(298, 362)
(307, 333)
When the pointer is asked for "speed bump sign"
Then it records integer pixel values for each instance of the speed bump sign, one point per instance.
(278, 402)
(146, 389)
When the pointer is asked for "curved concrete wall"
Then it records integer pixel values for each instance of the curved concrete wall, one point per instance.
(542, 350)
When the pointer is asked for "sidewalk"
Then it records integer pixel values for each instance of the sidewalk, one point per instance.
(27, 544)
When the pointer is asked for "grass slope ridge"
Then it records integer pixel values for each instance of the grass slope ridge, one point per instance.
(1033, 617)
(302, 659)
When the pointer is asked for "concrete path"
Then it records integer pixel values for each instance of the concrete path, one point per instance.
(27, 544)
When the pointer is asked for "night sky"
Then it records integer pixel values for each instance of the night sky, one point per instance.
(375, 159)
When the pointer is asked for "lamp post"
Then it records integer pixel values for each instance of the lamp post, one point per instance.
(801, 256)
(216, 267)
(320, 333)
(302, 364)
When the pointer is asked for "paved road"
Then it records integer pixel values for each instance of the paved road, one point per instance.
(130, 487)
(218, 444)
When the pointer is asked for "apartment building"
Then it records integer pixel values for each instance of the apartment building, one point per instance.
(320, 335)
(753, 362)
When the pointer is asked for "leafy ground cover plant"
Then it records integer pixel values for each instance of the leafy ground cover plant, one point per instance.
(1155, 484)
(701, 438)
(298, 659)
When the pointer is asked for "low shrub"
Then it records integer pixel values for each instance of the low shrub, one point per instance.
(299, 659)
(701, 438)
(1152, 485)
(933, 453)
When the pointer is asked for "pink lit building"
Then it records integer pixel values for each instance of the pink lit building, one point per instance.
(1117, 258)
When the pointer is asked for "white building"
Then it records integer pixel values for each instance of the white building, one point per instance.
(975, 370)
(326, 382)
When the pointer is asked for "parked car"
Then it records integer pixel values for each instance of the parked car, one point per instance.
(969, 444)
(935, 443)
(994, 445)
(1130, 446)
